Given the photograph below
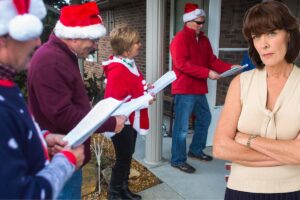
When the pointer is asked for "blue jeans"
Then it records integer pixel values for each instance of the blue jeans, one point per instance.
(185, 105)
(72, 188)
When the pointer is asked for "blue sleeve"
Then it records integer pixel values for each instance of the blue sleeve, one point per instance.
(247, 60)
(18, 176)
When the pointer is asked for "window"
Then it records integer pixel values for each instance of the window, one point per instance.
(108, 17)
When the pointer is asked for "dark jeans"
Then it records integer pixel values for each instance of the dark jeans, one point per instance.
(124, 144)
(185, 105)
(72, 188)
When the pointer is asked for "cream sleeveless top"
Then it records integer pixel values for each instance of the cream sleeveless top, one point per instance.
(282, 123)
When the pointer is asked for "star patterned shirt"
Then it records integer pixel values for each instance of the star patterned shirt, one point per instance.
(20, 149)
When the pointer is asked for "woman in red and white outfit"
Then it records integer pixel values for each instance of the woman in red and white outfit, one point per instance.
(123, 79)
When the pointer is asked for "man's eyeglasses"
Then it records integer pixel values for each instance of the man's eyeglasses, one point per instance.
(199, 22)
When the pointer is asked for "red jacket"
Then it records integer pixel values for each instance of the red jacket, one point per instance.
(192, 61)
(124, 80)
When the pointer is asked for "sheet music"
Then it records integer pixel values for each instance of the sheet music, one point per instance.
(92, 121)
(133, 105)
(129, 107)
(232, 71)
(143, 101)
(163, 82)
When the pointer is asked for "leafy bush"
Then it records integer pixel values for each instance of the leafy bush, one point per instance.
(94, 87)
(21, 80)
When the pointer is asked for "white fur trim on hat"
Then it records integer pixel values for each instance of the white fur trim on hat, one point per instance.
(7, 12)
(37, 8)
(87, 32)
(25, 27)
(193, 15)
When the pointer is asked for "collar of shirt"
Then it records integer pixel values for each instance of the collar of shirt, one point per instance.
(192, 33)
(7, 73)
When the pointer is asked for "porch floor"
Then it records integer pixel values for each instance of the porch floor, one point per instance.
(207, 183)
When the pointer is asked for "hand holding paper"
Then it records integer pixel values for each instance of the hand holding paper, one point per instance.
(162, 82)
(93, 120)
(120, 122)
(233, 70)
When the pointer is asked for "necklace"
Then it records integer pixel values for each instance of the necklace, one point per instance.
(129, 62)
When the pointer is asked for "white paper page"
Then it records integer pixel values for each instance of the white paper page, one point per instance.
(143, 101)
(133, 105)
(163, 82)
(93, 120)
(232, 71)
(129, 107)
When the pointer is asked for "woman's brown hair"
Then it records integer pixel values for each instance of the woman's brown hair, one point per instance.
(267, 17)
(122, 39)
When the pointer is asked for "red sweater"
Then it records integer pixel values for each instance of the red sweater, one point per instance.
(57, 96)
(124, 80)
(192, 61)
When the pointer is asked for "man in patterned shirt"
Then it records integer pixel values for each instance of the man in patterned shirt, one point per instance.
(26, 171)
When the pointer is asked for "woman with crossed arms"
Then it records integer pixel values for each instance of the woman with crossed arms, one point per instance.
(259, 126)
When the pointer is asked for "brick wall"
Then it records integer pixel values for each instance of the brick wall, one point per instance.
(232, 15)
(223, 84)
(132, 14)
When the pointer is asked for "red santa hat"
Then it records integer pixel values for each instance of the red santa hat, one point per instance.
(21, 19)
(191, 12)
(80, 22)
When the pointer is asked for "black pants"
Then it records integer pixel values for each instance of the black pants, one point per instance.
(238, 195)
(124, 144)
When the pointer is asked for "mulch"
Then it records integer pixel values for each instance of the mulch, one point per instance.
(137, 184)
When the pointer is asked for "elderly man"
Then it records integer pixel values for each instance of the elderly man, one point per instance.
(193, 63)
(26, 171)
(57, 96)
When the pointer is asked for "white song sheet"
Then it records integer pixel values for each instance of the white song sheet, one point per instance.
(143, 101)
(232, 71)
(163, 82)
(129, 107)
(92, 121)
(133, 105)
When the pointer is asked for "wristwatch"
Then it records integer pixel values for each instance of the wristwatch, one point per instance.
(251, 137)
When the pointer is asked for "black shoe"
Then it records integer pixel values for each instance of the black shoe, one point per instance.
(115, 189)
(202, 157)
(127, 194)
(185, 168)
(115, 193)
